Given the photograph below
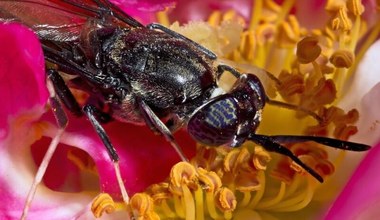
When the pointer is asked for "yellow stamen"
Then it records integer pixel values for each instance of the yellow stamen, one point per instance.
(210, 202)
(235, 158)
(355, 7)
(297, 203)
(261, 158)
(103, 203)
(256, 14)
(178, 206)
(215, 18)
(334, 5)
(142, 206)
(199, 204)
(269, 203)
(182, 173)
(188, 203)
(226, 201)
(167, 210)
(260, 193)
(163, 18)
(285, 8)
(342, 22)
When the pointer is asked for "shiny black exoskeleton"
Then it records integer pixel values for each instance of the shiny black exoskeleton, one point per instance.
(148, 75)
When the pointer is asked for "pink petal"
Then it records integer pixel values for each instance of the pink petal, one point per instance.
(24, 96)
(316, 8)
(17, 170)
(371, 13)
(144, 11)
(22, 72)
(145, 158)
(360, 199)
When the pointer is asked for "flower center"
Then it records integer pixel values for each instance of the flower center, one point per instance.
(307, 68)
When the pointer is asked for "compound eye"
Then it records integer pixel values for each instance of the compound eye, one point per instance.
(216, 123)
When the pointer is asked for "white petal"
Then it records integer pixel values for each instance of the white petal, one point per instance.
(364, 95)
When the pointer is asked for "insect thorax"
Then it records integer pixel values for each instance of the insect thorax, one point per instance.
(165, 72)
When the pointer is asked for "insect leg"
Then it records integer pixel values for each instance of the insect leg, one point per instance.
(206, 51)
(63, 92)
(62, 121)
(223, 67)
(271, 145)
(156, 124)
(94, 115)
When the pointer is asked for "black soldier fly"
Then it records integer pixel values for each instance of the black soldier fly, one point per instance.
(147, 75)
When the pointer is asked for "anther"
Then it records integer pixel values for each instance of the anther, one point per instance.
(225, 199)
(261, 158)
(209, 179)
(142, 206)
(103, 203)
(342, 59)
(308, 50)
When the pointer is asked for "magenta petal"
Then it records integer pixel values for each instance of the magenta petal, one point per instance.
(145, 5)
(199, 10)
(304, 9)
(144, 10)
(360, 199)
(22, 74)
(145, 158)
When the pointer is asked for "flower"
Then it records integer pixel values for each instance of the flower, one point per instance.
(313, 65)
(310, 68)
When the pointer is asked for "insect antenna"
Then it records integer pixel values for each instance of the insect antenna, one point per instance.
(330, 142)
(271, 145)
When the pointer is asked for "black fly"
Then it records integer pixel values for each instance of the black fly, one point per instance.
(147, 75)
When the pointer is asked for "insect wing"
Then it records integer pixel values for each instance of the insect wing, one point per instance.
(62, 20)
(48, 19)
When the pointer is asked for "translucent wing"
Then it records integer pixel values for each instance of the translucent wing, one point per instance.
(62, 20)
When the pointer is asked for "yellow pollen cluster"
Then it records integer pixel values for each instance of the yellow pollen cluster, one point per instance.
(220, 183)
